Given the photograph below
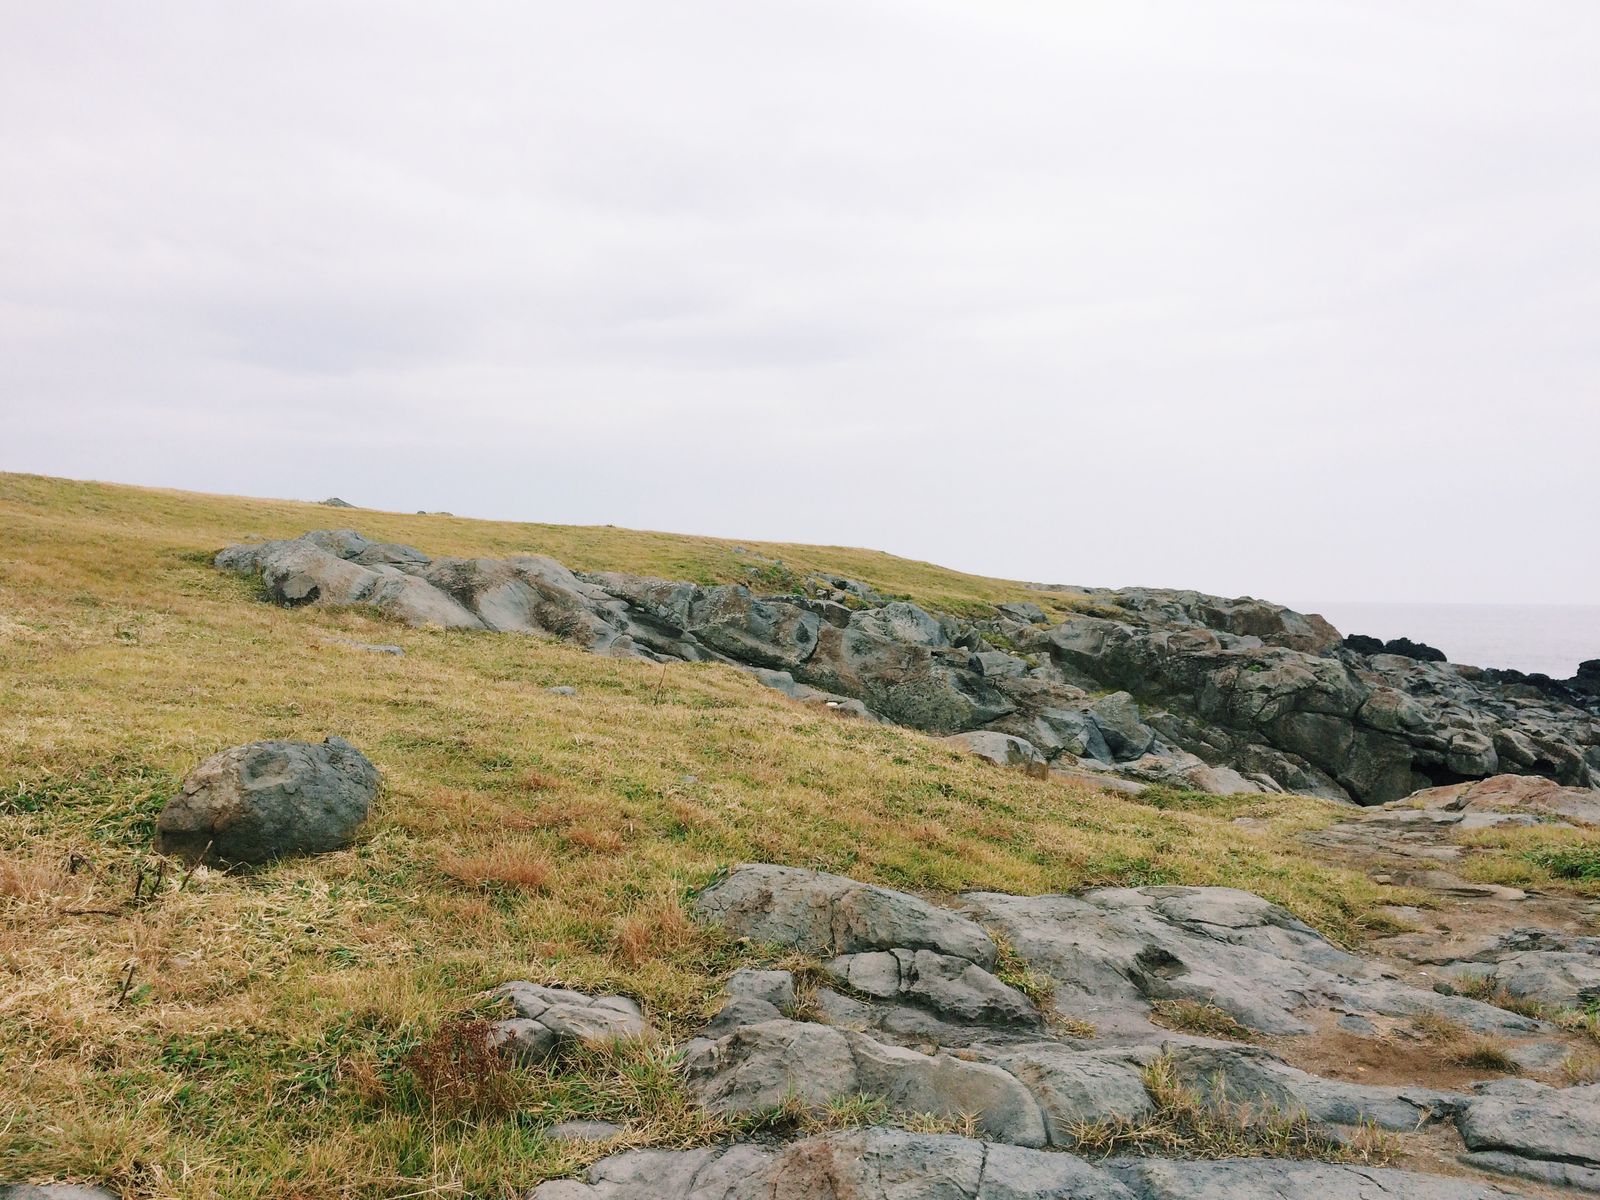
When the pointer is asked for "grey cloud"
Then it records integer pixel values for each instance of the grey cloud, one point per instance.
(1280, 299)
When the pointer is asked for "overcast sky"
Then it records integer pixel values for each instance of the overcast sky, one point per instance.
(1293, 299)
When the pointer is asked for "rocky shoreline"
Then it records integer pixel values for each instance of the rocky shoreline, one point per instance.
(1172, 687)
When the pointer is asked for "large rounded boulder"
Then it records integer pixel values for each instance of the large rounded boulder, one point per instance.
(266, 800)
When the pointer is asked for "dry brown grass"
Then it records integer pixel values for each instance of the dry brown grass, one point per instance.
(1190, 1123)
(658, 929)
(1461, 1047)
(521, 866)
(1201, 1019)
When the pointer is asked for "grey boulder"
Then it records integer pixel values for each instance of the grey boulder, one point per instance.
(264, 800)
(1535, 1121)
(1002, 749)
(550, 1017)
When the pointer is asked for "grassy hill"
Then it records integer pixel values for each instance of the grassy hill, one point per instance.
(255, 1035)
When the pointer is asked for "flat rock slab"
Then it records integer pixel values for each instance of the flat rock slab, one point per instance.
(870, 1164)
(886, 1164)
(765, 1066)
(54, 1191)
(1277, 1179)
(1113, 951)
(828, 915)
(1534, 1121)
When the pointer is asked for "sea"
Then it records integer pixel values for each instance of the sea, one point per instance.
(1548, 638)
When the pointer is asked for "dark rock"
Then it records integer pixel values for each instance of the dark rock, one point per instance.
(1420, 651)
(1362, 644)
(258, 802)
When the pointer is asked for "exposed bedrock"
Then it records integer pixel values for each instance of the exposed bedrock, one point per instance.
(1160, 686)
(904, 1006)
(887, 1164)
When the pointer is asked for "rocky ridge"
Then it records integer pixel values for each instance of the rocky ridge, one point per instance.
(1149, 685)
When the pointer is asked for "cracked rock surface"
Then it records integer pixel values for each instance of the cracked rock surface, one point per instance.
(904, 1005)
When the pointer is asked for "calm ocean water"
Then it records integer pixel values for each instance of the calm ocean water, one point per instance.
(1552, 638)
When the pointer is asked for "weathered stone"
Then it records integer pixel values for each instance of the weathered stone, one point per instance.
(824, 914)
(955, 988)
(1118, 719)
(752, 997)
(1556, 1174)
(54, 1191)
(1075, 1087)
(264, 800)
(548, 1017)
(763, 1066)
(1274, 1179)
(869, 1164)
(1252, 691)
(1534, 1120)
(1113, 951)
(1001, 749)
(1251, 1076)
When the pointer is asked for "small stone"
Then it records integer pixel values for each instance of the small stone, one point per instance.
(563, 690)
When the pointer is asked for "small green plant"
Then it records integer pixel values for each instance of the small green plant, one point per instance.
(1567, 862)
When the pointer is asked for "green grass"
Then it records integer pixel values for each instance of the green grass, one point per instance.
(247, 1035)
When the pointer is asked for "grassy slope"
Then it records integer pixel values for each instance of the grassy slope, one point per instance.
(520, 835)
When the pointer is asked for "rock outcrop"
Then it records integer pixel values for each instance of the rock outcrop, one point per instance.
(904, 1007)
(1173, 687)
(265, 800)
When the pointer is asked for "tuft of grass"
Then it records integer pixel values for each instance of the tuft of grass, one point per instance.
(1486, 989)
(455, 1073)
(1461, 1047)
(1187, 1122)
(1012, 969)
(1201, 1019)
(1568, 862)
(518, 866)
